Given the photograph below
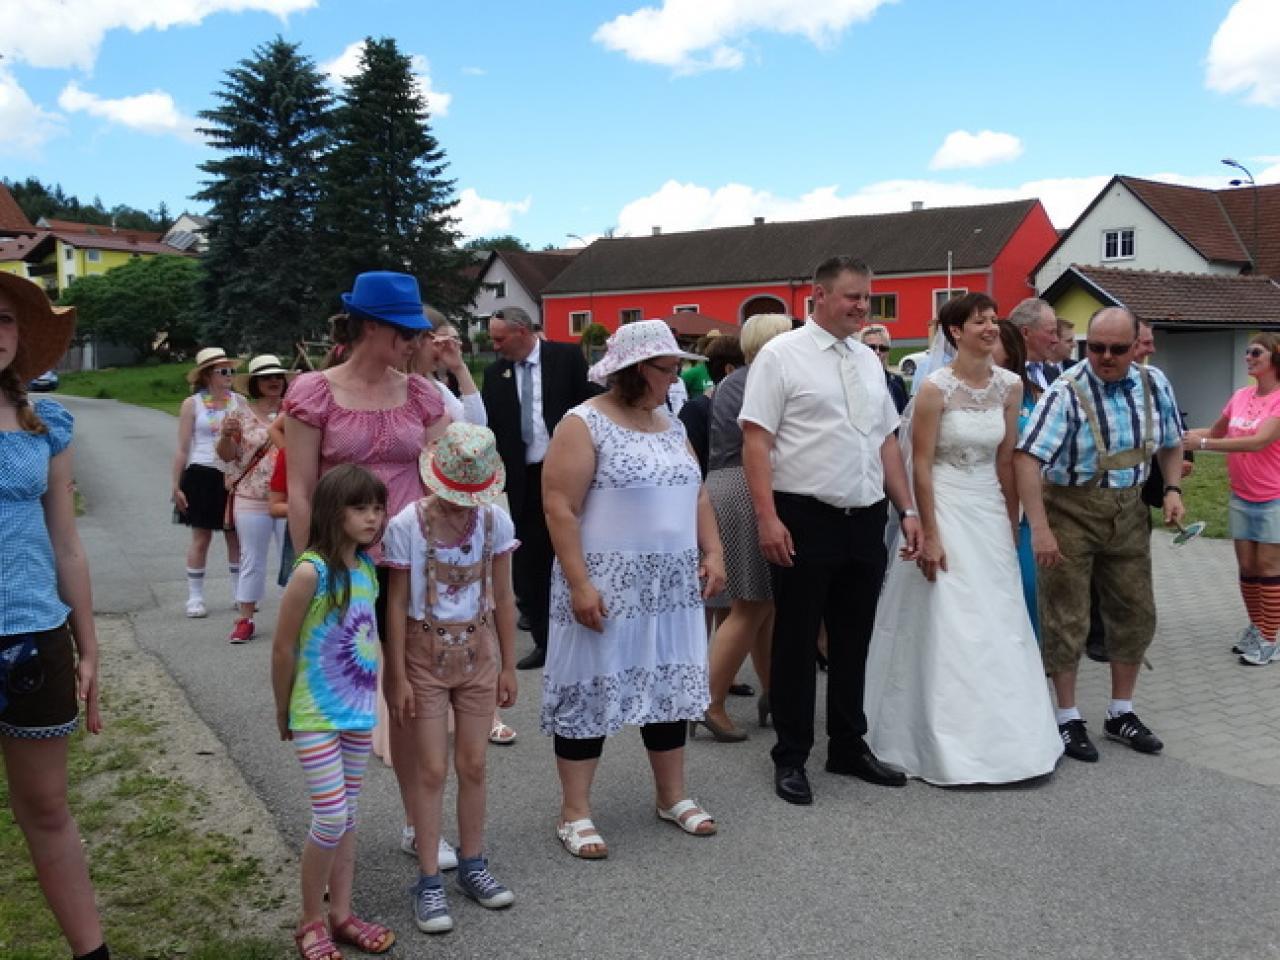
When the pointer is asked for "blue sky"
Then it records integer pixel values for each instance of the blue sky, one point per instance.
(568, 116)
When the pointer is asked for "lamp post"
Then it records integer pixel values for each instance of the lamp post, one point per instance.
(1248, 178)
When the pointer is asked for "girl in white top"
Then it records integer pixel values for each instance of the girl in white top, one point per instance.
(439, 357)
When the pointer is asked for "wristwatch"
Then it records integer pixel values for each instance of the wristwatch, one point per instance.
(909, 512)
(1172, 488)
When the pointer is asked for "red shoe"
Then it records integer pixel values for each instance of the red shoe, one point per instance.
(242, 632)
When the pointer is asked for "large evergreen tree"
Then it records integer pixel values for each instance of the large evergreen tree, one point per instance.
(386, 204)
(271, 128)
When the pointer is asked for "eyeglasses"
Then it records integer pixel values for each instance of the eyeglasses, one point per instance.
(666, 371)
(879, 347)
(1254, 352)
(225, 371)
(1115, 349)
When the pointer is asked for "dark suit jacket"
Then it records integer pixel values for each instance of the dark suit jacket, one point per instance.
(564, 386)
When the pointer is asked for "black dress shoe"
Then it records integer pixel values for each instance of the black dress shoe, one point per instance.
(524, 623)
(791, 784)
(533, 660)
(741, 690)
(865, 766)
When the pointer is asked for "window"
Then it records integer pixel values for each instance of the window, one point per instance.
(499, 288)
(579, 320)
(884, 308)
(70, 253)
(634, 315)
(685, 308)
(93, 256)
(942, 296)
(808, 306)
(1117, 244)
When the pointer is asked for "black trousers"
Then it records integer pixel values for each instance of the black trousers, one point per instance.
(657, 737)
(531, 564)
(838, 570)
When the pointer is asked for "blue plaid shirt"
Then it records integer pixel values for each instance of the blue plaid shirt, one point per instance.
(1058, 434)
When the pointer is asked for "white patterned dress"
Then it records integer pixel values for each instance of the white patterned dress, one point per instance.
(639, 540)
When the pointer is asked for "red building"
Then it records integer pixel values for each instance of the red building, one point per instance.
(733, 273)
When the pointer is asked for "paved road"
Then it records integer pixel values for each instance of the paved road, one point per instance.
(1135, 857)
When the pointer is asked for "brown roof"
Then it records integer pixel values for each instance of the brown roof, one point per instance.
(1239, 204)
(535, 270)
(21, 248)
(907, 242)
(100, 230)
(12, 219)
(120, 241)
(1161, 296)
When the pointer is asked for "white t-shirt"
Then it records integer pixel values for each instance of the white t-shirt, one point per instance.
(794, 390)
(405, 548)
(468, 409)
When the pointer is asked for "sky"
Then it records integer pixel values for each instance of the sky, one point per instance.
(564, 119)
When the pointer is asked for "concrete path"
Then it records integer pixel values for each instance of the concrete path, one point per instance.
(1135, 857)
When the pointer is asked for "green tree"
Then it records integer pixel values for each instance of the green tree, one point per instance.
(386, 203)
(144, 304)
(38, 200)
(503, 242)
(271, 129)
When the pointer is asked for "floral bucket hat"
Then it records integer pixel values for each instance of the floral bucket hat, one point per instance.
(463, 466)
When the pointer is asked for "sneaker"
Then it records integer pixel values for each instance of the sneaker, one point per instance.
(1076, 743)
(1250, 640)
(196, 608)
(430, 906)
(475, 880)
(1262, 654)
(242, 632)
(446, 856)
(1127, 728)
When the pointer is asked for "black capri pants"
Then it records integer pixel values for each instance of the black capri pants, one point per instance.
(658, 737)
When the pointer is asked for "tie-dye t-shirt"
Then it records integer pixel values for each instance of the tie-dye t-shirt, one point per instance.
(336, 679)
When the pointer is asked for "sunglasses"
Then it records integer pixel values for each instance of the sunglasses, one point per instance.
(271, 376)
(1115, 349)
(879, 347)
(1255, 352)
(225, 371)
(405, 334)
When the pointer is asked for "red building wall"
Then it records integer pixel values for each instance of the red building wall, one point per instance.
(1012, 268)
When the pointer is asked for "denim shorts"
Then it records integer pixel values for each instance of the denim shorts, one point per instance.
(1256, 522)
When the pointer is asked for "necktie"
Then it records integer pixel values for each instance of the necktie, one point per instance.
(526, 402)
(1050, 371)
(857, 398)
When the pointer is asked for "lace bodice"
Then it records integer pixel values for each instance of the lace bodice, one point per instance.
(972, 425)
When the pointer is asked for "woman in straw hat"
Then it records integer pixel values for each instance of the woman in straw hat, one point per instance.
(248, 447)
(48, 646)
(637, 554)
(199, 474)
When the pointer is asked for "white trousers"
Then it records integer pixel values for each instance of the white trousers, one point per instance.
(256, 530)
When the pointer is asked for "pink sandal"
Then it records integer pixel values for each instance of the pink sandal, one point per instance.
(321, 947)
(368, 936)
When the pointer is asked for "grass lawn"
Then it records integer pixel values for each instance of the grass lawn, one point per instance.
(1205, 494)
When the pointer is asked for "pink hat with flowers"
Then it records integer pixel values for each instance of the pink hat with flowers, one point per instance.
(634, 342)
(463, 466)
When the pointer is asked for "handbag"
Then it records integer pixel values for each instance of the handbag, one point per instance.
(229, 511)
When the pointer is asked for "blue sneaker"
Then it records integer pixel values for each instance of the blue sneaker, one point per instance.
(430, 906)
(1262, 654)
(475, 880)
(1249, 642)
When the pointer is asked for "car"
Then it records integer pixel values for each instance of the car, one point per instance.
(908, 365)
(45, 382)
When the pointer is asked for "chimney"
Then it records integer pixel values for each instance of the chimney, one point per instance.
(758, 221)
(917, 205)
(657, 231)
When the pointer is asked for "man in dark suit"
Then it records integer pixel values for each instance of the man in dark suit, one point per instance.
(526, 392)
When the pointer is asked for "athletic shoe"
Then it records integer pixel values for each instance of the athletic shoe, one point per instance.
(196, 608)
(1250, 640)
(430, 906)
(1127, 728)
(1076, 743)
(242, 632)
(475, 880)
(1262, 654)
(446, 856)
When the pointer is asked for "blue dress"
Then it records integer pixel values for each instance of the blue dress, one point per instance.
(1026, 558)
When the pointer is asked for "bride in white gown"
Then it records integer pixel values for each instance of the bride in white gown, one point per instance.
(955, 689)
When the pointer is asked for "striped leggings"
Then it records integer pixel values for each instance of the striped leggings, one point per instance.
(333, 761)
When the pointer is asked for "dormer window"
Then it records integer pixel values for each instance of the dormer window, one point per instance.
(1117, 244)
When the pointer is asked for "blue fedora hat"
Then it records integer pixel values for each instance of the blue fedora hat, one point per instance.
(387, 297)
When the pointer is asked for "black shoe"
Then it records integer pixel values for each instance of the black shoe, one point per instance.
(524, 623)
(866, 766)
(534, 659)
(1097, 652)
(1127, 728)
(792, 785)
(742, 690)
(1076, 743)
(822, 663)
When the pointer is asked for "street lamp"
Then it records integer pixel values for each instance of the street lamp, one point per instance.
(1248, 178)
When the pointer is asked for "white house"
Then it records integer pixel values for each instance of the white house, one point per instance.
(516, 278)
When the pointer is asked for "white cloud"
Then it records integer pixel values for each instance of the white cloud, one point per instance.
(982, 149)
(347, 64)
(153, 112)
(694, 35)
(25, 124)
(1245, 52)
(480, 217)
(68, 33)
(474, 71)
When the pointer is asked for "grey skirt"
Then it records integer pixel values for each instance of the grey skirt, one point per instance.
(747, 571)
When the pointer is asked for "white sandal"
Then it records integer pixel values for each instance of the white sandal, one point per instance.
(501, 734)
(689, 816)
(577, 835)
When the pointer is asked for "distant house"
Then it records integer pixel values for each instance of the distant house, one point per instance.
(920, 258)
(516, 278)
(189, 233)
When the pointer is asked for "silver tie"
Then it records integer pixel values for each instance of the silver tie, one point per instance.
(526, 402)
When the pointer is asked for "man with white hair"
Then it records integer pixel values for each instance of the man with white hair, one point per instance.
(1038, 325)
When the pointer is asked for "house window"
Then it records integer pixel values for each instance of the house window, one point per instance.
(579, 320)
(70, 253)
(1117, 244)
(499, 288)
(630, 316)
(93, 256)
(808, 306)
(884, 308)
(685, 308)
(942, 296)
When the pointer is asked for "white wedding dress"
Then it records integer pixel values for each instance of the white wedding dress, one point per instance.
(955, 689)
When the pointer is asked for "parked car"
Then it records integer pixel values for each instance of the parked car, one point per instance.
(46, 381)
(908, 364)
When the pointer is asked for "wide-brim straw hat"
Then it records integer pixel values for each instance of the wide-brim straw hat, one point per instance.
(463, 466)
(633, 343)
(44, 331)
(263, 365)
(210, 357)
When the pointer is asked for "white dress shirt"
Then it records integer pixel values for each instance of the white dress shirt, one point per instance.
(794, 390)
(536, 451)
(467, 409)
